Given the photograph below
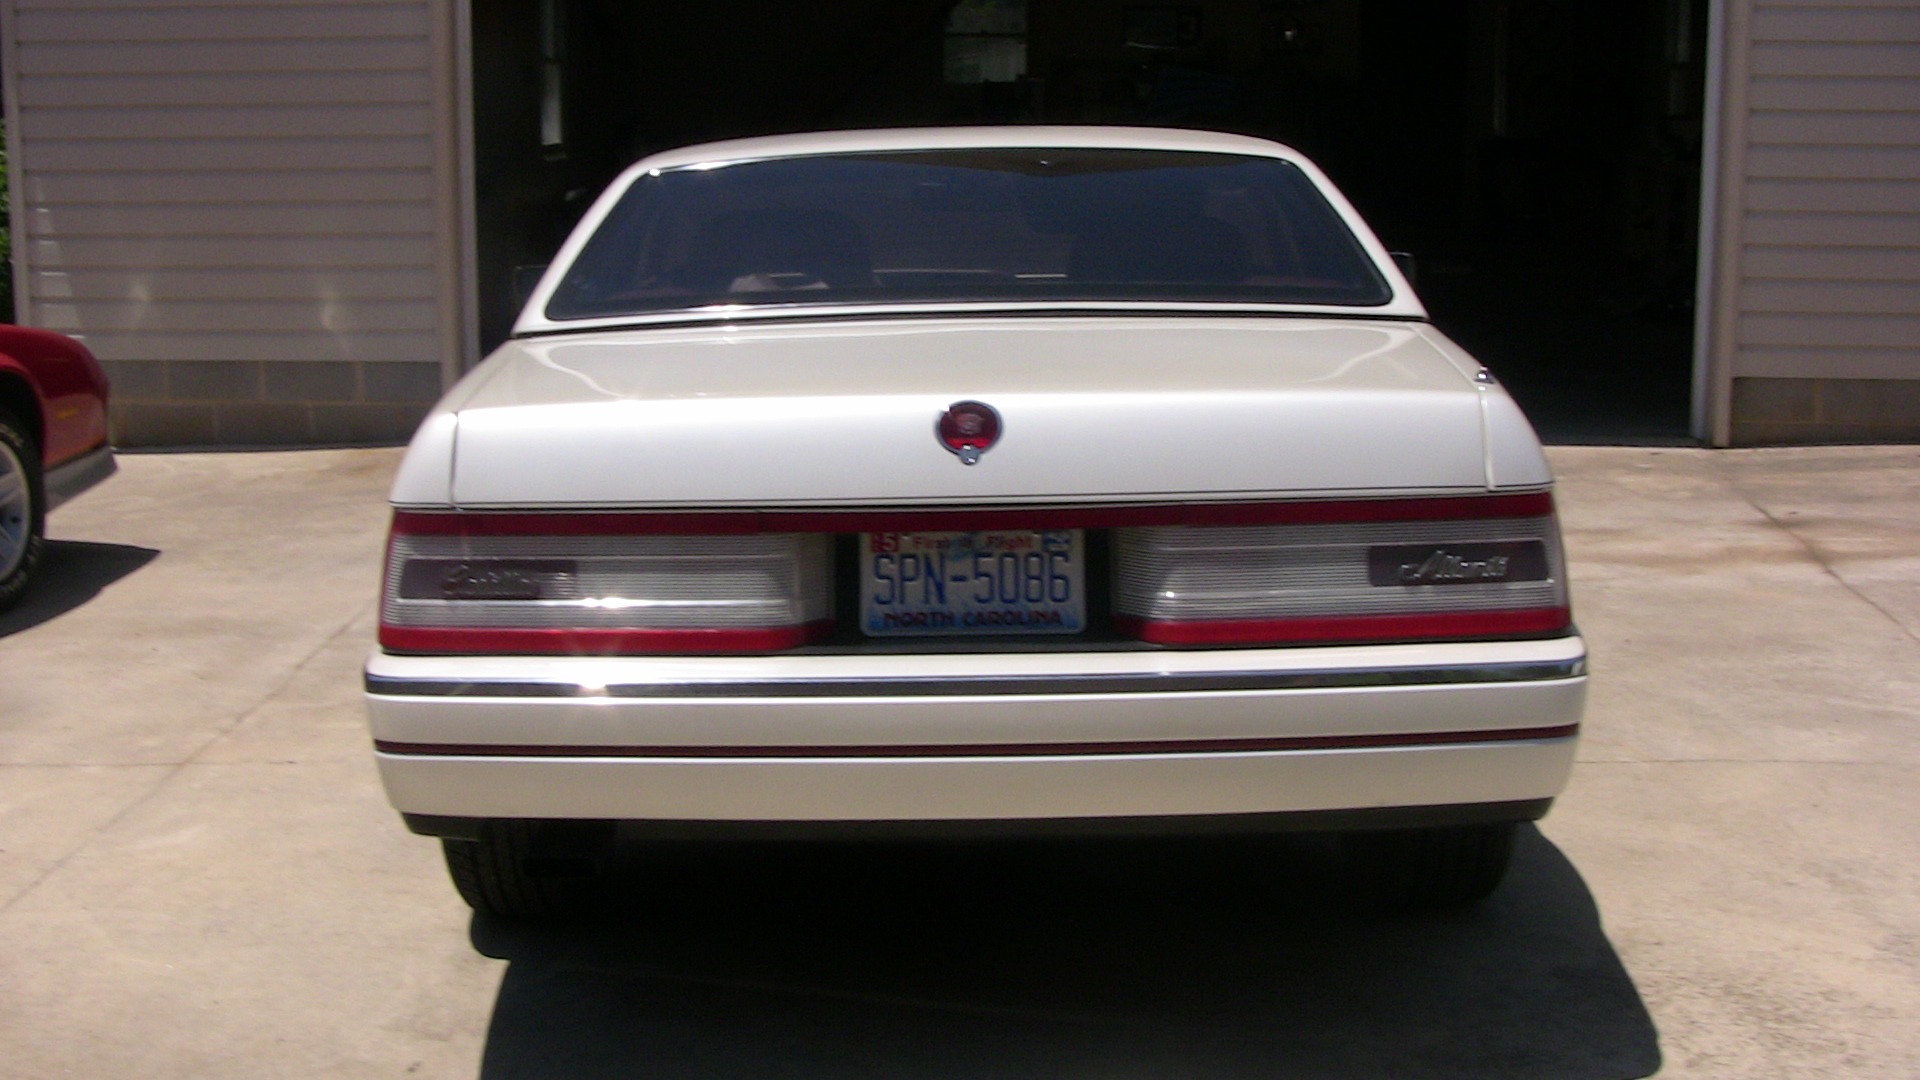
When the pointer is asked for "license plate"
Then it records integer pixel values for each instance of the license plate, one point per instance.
(960, 583)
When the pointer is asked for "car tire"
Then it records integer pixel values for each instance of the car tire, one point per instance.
(23, 509)
(520, 869)
(1431, 869)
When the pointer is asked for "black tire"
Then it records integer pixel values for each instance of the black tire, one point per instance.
(530, 869)
(1431, 869)
(23, 529)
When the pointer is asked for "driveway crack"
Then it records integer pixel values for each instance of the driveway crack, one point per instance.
(1813, 552)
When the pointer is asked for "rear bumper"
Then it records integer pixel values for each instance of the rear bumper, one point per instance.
(1222, 734)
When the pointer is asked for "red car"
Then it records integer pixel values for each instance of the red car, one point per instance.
(53, 441)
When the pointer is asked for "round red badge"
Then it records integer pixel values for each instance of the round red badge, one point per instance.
(968, 429)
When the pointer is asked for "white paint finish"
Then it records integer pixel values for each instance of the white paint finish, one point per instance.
(639, 670)
(964, 720)
(1514, 457)
(1403, 303)
(844, 413)
(933, 789)
(967, 720)
(785, 410)
(425, 475)
(768, 408)
(959, 138)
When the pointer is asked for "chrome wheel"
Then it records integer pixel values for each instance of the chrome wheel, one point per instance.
(16, 511)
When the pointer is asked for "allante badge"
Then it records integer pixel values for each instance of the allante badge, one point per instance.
(968, 429)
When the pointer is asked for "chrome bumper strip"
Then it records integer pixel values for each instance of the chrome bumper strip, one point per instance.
(999, 685)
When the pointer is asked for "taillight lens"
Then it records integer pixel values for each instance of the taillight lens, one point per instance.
(505, 586)
(1422, 578)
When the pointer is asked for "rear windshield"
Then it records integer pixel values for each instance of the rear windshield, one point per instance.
(945, 226)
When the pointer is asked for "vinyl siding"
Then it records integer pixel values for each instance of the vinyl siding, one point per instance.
(215, 188)
(1828, 272)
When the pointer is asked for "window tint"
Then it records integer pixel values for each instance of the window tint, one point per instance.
(970, 225)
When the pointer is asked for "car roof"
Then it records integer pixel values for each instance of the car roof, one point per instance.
(884, 140)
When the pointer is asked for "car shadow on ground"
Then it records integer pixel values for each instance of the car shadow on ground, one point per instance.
(71, 573)
(1190, 958)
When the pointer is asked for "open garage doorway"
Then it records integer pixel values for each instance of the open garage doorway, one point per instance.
(1539, 158)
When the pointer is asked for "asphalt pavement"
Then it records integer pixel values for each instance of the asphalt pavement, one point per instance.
(199, 876)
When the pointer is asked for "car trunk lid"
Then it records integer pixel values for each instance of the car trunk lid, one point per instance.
(1114, 409)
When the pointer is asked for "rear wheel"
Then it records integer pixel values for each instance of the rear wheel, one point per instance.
(23, 513)
(530, 869)
(1431, 869)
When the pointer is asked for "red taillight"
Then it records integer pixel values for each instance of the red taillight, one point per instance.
(1400, 573)
(463, 583)
(1193, 575)
(1435, 626)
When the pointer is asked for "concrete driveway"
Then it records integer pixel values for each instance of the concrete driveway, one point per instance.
(199, 876)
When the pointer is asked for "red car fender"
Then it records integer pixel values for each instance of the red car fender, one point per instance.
(69, 388)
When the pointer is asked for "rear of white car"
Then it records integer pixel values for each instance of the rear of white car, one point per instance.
(897, 542)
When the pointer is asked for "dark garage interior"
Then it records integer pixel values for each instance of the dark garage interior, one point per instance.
(1539, 158)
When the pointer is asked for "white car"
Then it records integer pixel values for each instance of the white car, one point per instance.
(1029, 479)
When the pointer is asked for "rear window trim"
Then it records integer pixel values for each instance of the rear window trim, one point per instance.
(856, 312)
(1353, 236)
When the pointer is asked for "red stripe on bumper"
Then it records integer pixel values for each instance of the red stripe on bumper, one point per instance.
(970, 750)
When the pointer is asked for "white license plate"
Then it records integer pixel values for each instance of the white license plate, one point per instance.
(1005, 581)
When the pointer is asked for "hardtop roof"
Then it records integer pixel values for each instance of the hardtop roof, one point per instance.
(885, 140)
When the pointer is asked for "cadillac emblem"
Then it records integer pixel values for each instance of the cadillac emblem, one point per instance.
(968, 429)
